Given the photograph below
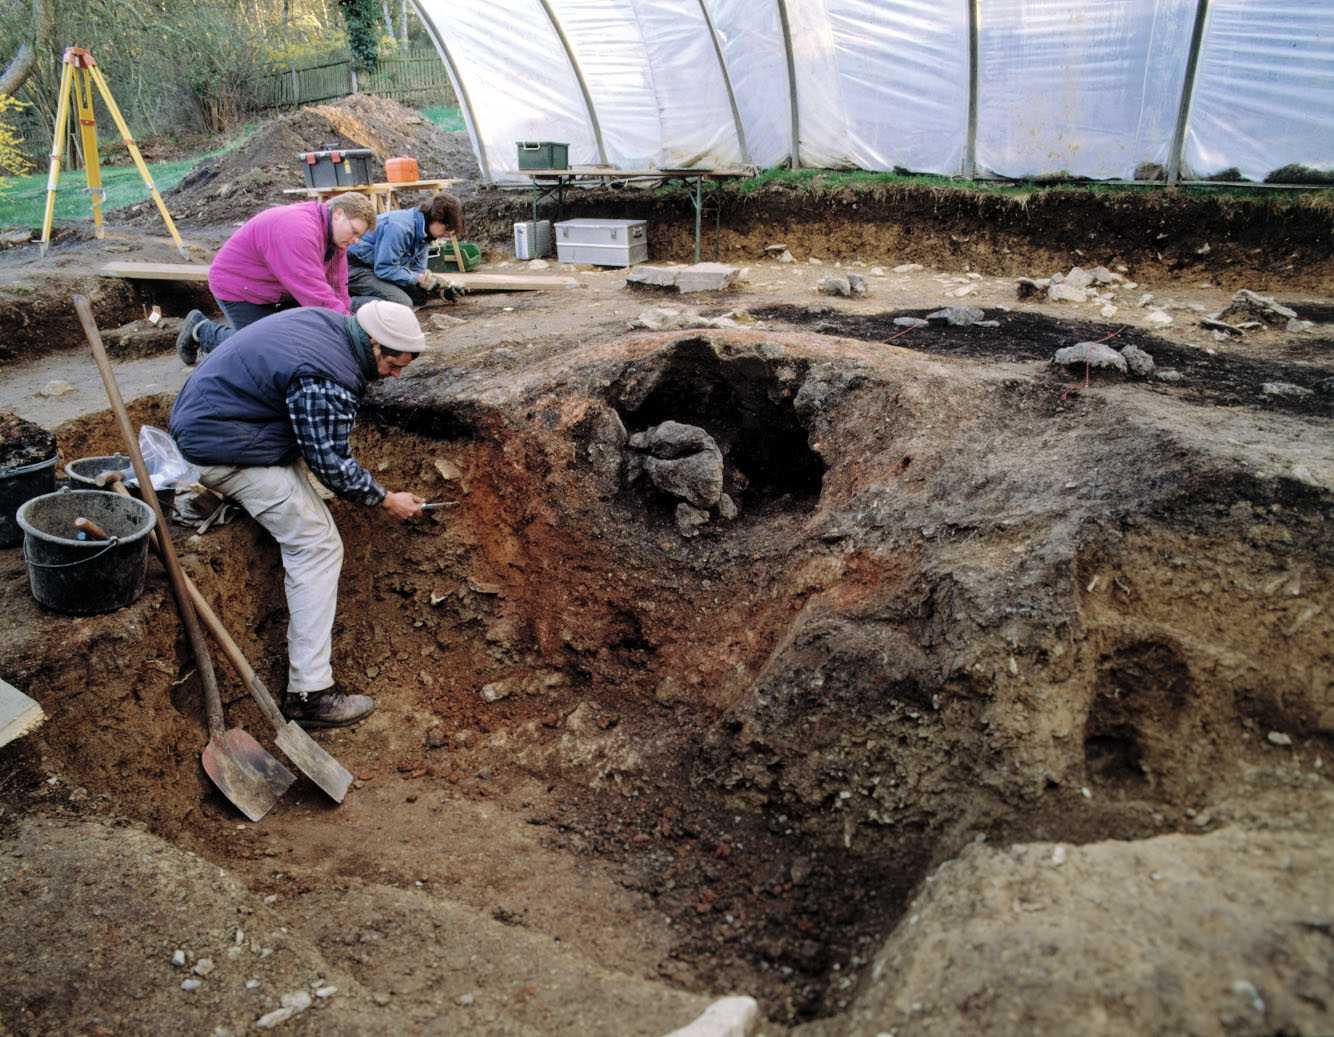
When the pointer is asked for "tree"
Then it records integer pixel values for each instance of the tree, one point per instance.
(363, 32)
(24, 62)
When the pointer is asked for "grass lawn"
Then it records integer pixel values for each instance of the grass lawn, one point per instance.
(23, 198)
(448, 119)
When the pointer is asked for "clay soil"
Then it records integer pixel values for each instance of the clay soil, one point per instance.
(1003, 706)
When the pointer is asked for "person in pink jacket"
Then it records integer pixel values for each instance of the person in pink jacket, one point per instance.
(290, 255)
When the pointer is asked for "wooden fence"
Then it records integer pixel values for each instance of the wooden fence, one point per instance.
(411, 76)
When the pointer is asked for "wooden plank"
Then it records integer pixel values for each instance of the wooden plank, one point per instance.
(472, 282)
(507, 282)
(156, 271)
(18, 714)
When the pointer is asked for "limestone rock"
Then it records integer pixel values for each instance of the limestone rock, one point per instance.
(1066, 293)
(706, 277)
(911, 322)
(1095, 354)
(697, 479)
(1077, 278)
(908, 268)
(1286, 390)
(56, 388)
(689, 520)
(834, 284)
(857, 284)
(1139, 362)
(958, 316)
(700, 277)
(1247, 304)
(1159, 317)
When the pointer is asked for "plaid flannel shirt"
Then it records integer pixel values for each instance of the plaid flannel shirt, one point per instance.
(322, 414)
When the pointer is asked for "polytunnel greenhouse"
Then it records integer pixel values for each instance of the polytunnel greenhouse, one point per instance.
(1104, 89)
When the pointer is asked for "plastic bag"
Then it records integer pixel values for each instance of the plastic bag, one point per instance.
(166, 465)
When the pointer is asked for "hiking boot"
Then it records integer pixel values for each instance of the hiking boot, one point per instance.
(187, 345)
(327, 708)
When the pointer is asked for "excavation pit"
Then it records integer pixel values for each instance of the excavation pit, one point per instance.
(960, 619)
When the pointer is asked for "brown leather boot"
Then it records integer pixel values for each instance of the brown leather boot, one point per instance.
(328, 708)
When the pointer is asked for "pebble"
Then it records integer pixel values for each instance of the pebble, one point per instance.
(251, 984)
(56, 388)
(178, 959)
(464, 1000)
(380, 998)
(1058, 856)
(203, 966)
(275, 1018)
(191, 984)
(297, 1000)
(1278, 738)
(908, 268)
(326, 991)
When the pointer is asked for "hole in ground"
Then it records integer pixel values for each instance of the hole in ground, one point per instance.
(783, 846)
(745, 402)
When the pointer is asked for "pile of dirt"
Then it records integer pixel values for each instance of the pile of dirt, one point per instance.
(233, 186)
(22, 442)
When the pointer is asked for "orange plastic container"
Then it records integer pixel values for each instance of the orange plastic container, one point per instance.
(401, 169)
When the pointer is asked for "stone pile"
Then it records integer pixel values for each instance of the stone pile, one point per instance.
(685, 462)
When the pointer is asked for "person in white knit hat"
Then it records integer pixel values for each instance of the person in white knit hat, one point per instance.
(283, 391)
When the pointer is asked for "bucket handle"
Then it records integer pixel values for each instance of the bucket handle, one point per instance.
(68, 565)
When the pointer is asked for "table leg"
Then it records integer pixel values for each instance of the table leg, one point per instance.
(699, 204)
(717, 222)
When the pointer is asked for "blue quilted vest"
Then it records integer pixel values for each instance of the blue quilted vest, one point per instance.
(233, 409)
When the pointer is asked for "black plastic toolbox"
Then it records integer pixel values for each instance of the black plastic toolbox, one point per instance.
(337, 168)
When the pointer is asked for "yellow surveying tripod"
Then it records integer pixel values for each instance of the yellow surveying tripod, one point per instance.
(77, 78)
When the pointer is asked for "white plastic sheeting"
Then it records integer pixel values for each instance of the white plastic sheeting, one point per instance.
(1264, 92)
(1085, 87)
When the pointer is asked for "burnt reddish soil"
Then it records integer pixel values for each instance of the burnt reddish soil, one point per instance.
(952, 600)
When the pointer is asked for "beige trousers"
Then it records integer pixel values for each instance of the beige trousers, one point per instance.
(283, 501)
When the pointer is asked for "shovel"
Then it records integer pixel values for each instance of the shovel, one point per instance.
(244, 772)
(309, 756)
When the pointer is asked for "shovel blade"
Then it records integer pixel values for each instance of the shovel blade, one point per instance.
(312, 760)
(247, 774)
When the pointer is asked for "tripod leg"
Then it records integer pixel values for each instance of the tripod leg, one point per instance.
(57, 152)
(83, 95)
(119, 119)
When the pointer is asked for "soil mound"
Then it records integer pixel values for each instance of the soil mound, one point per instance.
(22, 442)
(234, 186)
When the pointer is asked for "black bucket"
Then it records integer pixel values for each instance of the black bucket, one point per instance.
(83, 475)
(17, 487)
(81, 577)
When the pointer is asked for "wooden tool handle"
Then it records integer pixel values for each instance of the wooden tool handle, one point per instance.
(94, 531)
(204, 662)
(210, 619)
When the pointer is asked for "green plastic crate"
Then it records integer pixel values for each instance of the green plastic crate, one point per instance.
(543, 154)
(440, 258)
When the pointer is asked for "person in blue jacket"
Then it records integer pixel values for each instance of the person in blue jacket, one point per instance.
(390, 262)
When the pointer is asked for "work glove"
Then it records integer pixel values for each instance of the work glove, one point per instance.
(449, 290)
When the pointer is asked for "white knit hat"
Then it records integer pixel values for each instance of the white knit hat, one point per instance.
(393, 325)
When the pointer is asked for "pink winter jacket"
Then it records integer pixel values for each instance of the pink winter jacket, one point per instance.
(281, 252)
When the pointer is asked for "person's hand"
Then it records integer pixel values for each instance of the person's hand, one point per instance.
(450, 290)
(402, 505)
(426, 279)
